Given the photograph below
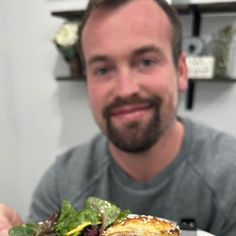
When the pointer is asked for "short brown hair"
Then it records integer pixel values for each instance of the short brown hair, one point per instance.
(176, 41)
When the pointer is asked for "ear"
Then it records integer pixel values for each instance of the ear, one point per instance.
(183, 73)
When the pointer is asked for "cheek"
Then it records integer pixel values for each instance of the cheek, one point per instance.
(172, 95)
(158, 87)
(166, 89)
(94, 97)
(98, 99)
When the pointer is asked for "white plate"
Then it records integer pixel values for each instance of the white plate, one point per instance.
(203, 233)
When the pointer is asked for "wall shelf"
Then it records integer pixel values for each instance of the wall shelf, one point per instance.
(182, 9)
(196, 10)
(68, 14)
(70, 78)
(225, 7)
(216, 79)
(220, 80)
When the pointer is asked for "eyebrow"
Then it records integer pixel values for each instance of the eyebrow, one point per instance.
(98, 58)
(136, 52)
(146, 49)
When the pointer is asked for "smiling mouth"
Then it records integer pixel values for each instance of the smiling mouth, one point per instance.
(130, 111)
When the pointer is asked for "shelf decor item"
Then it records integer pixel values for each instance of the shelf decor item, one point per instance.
(200, 65)
(221, 52)
(66, 40)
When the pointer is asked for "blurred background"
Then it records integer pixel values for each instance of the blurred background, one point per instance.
(41, 117)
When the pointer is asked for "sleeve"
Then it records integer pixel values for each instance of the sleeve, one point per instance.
(67, 179)
(229, 227)
(46, 198)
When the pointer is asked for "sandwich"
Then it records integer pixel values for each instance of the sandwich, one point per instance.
(142, 225)
(97, 218)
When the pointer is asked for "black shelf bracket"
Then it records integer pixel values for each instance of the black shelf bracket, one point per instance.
(196, 23)
(190, 94)
(196, 28)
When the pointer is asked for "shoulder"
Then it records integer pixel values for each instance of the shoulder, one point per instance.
(211, 144)
(79, 168)
(71, 175)
(213, 158)
(88, 156)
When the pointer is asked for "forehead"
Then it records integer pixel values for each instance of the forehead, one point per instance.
(143, 19)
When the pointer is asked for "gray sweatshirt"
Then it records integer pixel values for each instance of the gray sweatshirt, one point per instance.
(199, 184)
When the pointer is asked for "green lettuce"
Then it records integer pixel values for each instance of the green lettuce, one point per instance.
(96, 216)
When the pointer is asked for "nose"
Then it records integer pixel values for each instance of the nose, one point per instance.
(127, 84)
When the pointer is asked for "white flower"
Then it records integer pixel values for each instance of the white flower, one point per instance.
(68, 34)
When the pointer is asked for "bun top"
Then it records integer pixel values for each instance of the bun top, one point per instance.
(140, 225)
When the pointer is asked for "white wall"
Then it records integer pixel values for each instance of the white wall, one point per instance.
(39, 117)
(8, 130)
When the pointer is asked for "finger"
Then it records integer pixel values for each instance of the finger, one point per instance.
(15, 219)
(8, 217)
(4, 225)
(4, 233)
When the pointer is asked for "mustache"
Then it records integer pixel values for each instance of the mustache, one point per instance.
(119, 102)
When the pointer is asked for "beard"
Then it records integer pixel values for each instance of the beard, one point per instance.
(135, 136)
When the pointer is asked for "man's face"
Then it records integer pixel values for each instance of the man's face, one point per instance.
(132, 81)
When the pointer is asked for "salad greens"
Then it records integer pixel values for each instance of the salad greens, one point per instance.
(92, 220)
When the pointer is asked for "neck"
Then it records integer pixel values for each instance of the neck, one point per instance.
(155, 160)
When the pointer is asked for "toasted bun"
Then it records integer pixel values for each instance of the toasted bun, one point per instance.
(139, 225)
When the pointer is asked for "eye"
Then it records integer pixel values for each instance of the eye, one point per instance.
(147, 62)
(101, 71)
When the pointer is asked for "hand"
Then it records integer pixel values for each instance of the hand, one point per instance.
(8, 218)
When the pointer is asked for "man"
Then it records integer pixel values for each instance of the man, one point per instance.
(151, 162)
